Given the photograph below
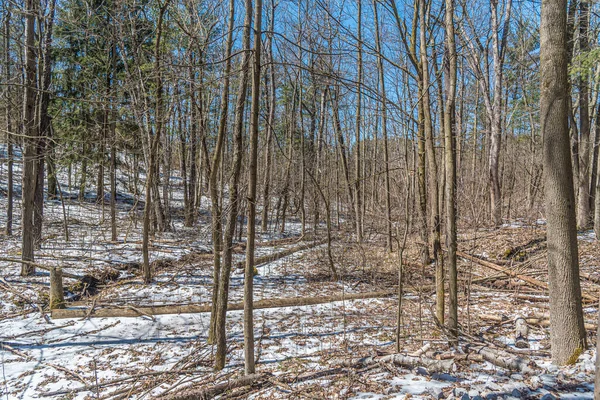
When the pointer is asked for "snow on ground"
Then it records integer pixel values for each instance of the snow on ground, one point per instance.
(153, 356)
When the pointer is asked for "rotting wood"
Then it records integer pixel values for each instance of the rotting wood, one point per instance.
(528, 279)
(195, 309)
(57, 297)
(284, 253)
(521, 333)
(401, 360)
(502, 359)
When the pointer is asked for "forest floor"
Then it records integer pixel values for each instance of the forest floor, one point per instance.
(148, 356)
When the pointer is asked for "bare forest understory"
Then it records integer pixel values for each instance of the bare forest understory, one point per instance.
(315, 337)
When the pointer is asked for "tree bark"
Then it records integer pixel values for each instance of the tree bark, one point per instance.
(9, 127)
(249, 361)
(57, 299)
(221, 285)
(450, 157)
(29, 139)
(583, 203)
(386, 155)
(434, 223)
(152, 193)
(357, 144)
(269, 131)
(567, 334)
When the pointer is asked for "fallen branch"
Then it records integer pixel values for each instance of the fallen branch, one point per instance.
(8, 287)
(40, 266)
(113, 382)
(592, 278)
(284, 253)
(528, 279)
(196, 309)
(212, 391)
(39, 331)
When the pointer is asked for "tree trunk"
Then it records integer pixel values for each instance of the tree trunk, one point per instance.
(357, 144)
(270, 123)
(597, 188)
(252, 180)
(152, 165)
(386, 156)
(29, 139)
(8, 121)
(450, 154)
(221, 286)
(57, 299)
(44, 124)
(498, 47)
(567, 333)
(434, 223)
(583, 204)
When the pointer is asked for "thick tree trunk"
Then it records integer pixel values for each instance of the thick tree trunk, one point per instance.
(567, 334)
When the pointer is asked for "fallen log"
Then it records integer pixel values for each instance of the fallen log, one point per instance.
(532, 297)
(401, 360)
(280, 254)
(528, 279)
(280, 242)
(502, 359)
(130, 311)
(544, 322)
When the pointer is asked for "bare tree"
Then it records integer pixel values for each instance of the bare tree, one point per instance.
(252, 181)
(221, 284)
(450, 157)
(9, 126)
(29, 139)
(358, 116)
(583, 203)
